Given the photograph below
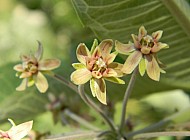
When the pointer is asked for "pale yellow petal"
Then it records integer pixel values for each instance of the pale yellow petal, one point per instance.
(25, 75)
(23, 85)
(39, 52)
(98, 89)
(94, 45)
(110, 57)
(158, 47)
(135, 40)
(41, 82)
(82, 52)
(81, 76)
(18, 67)
(106, 47)
(49, 64)
(117, 67)
(110, 73)
(20, 131)
(78, 65)
(93, 86)
(115, 80)
(132, 62)
(142, 32)
(157, 35)
(124, 48)
(153, 69)
(142, 67)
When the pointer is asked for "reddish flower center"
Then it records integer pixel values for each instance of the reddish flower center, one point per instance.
(146, 44)
(30, 67)
(98, 68)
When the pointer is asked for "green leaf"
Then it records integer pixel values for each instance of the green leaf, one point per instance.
(119, 19)
(27, 104)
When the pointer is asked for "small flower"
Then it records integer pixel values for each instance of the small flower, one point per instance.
(32, 68)
(143, 53)
(97, 65)
(16, 132)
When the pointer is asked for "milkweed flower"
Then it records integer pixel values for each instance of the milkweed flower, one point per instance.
(16, 132)
(142, 53)
(97, 66)
(32, 68)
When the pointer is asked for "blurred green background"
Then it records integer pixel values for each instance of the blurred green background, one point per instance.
(56, 24)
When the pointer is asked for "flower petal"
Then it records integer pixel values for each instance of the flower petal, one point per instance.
(98, 89)
(78, 65)
(49, 64)
(25, 74)
(82, 52)
(41, 82)
(18, 68)
(106, 47)
(158, 47)
(96, 53)
(110, 73)
(94, 45)
(23, 85)
(117, 67)
(115, 80)
(142, 32)
(157, 35)
(39, 52)
(124, 48)
(93, 86)
(20, 131)
(30, 82)
(135, 40)
(142, 67)
(110, 57)
(153, 69)
(132, 62)
(81, 76)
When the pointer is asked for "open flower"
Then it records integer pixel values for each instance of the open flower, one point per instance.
(16, 132)
(32, 68)
(97, 65)
(143, 53)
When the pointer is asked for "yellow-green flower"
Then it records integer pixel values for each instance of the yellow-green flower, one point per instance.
(97, 65)
(16, 132)
(143, 53)
(32, 68)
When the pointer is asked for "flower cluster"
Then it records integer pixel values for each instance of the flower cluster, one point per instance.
(97, 66)
(32, 68)
(16, 132)
(143, 53)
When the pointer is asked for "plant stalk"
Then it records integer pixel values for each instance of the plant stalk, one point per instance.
(126, 97)
(90, 103)
(86, 99)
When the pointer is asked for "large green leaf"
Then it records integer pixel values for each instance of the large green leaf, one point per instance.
(26, 105)
(118, 19)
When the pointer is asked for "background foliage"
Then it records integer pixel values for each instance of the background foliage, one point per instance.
(57, 26)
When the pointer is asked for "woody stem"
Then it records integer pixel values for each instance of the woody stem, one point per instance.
(126, 97)
(90, 103)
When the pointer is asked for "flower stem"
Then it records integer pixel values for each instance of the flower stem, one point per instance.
(90, 103)
(80, 120)
(86, 99)
(126, 97)
(66, 82)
